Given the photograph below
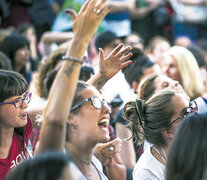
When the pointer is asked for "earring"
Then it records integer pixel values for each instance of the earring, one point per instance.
(74, 126)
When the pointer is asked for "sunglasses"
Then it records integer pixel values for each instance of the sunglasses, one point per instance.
(193, 107)
(95, 101)
(18, 102)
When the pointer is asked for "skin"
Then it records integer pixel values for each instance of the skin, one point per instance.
(11, 117)
(170, 68)
(134, 41)
(164, 82)
(70, 172)
(180, 103)
(159, 51)
(87, 121)
(22, 56)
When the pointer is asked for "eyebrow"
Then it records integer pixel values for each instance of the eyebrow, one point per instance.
(183, 111)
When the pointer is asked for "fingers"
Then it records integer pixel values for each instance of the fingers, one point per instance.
(125, 57)
(124, 51)
(104, 12)
(117, 49)
(72, 13)
(84, 6)
(101, 53)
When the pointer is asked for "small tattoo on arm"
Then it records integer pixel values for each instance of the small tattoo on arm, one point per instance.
(99, 83)
(69, 70)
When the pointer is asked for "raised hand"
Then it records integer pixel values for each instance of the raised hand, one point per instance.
(115, 61)
(86, 22)
(105, 151)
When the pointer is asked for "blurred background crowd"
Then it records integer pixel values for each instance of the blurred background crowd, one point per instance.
(166, 36)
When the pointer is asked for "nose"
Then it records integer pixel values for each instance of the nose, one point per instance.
(106, 107)
(24, 104)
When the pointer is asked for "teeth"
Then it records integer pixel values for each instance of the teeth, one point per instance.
(23, 115)
(104, 122)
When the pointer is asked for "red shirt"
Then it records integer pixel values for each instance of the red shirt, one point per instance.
(16, 154)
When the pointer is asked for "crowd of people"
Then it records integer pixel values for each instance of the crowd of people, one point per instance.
(106, 96)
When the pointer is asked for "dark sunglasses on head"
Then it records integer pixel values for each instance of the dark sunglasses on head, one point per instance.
(193, 107)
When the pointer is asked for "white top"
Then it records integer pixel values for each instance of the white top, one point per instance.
(148, 167)
(188, 13)
(99, 168)
(202, 105)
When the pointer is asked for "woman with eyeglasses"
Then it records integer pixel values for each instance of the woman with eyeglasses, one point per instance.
(76, 117)
(156, 120)
(15, 125)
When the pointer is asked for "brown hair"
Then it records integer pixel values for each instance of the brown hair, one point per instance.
(148, 119)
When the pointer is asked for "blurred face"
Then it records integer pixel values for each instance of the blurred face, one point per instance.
(134, 41)
(22, 56)
(164, 82)
(109, 47)
(159, 52)
(92, 122)
(170, 68)
(30, 35)
(11, 116)
(70, 172)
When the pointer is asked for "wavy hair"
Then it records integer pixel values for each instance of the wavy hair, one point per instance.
(147, 119)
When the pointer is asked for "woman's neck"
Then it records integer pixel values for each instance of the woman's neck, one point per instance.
(160, 153)
(5, 142)
(82, 156)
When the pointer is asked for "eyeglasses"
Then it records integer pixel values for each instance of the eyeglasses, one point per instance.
(193, 107)
(96, 102)
(18, 102)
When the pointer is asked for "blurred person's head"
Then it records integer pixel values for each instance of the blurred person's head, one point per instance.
(47, 166)
(86, 73)
(183, 41)
(16, 47)
(107, 40)
(156, 83)
(50, 63)
(181, 65)
(5, 62)
(157, 48)
(27, 30)
(134, 40)
(140, 68)
(187, 158)
(202, 43)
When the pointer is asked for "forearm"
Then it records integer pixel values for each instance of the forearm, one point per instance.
(117, 6)
(60, 100)
(116, 169)
(141, 12)
(97, 80)
(193, 3)
(56, 37)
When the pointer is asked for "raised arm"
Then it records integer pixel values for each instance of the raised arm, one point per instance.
(111, 65)
(85, 24)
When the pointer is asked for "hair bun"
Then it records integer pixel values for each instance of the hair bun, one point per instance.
(140, 108)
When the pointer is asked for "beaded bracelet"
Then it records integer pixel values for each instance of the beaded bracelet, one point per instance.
(73, 59)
